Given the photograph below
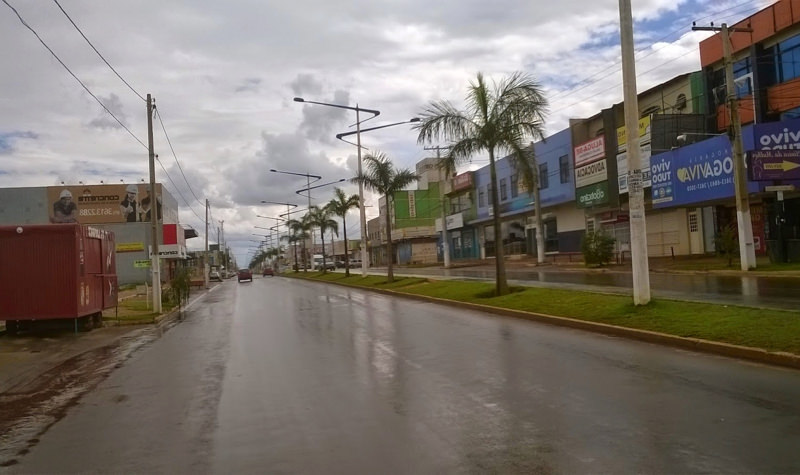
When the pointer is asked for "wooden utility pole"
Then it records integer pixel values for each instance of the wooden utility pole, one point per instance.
(155, 260)
(747, 249)
(639, 260)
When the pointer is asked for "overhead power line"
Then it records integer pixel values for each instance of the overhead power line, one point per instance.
(98, 53)
(73, 74)
(158, 114)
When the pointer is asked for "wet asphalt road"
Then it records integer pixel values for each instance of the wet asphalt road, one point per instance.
(286, 376)
(750, 290)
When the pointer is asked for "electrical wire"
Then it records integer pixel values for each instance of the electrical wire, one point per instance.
(158, 114)
(98, 53)
(73, 74)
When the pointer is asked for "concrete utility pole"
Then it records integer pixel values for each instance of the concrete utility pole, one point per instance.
(155, 260)
(205, 255)
(537, 208)
(445, 244)
(639, 263)
(747, 249)
(362, 211)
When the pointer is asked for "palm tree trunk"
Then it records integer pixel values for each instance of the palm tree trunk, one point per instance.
(501, 284)
(390, 273)
(322, 239)
(346, 250)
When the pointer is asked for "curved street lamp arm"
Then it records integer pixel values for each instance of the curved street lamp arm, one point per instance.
(374, 112)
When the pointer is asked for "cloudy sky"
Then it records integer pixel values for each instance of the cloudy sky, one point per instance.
(223, 75)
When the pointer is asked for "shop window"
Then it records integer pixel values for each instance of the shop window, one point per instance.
(490, 194)
(563, 168)
(544, 180)
(503, 189)
(481, 197)
(550, 236)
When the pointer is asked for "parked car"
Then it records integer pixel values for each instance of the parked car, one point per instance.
(355, 263)
(340, 264)
(215, 275)
(245, 274)
(268, 271)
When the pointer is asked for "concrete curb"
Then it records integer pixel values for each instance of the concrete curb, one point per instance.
(759, 355)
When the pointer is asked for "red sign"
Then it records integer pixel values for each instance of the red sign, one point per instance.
(462, 181)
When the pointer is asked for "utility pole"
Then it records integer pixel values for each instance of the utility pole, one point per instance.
(155, 260)
(747, 249)
(205, 255)
(445, 244)
(537, 208)
(639, 262)
(222, 245)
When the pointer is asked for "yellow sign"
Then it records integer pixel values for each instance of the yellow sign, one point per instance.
(130, 246)
(644, 130)
(100, 204)
(141, 263)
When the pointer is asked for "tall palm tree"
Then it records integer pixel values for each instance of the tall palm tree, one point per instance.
(321, 218)
(300, 229)
(340, 205)
(498, 119)
(382, 177)
(292, 240)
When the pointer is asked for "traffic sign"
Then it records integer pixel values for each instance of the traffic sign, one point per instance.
(766, 165)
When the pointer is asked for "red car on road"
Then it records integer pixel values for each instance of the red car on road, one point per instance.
(268, 271)
(245, 274)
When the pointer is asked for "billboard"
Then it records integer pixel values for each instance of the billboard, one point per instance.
(699, 172)
(591, 174)
(774, 164)
(590, 151)
(622, 168)
(101, 204)
(592, 195)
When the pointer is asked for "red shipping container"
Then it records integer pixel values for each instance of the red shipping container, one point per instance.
(56, 271)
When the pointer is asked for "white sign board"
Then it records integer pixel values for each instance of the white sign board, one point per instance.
(591, 174)
(622, 168)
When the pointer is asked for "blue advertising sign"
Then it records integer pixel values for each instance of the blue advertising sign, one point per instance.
(699, 172)
(781, 135)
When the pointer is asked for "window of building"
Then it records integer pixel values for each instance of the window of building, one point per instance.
(544, 180)
(514, 185)
(680, 102)
(490, 194)
(563, 168)
(788, 59)
(503, 189)
(650, 111)
(481, 197)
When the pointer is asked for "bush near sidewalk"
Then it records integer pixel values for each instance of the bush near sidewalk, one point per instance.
(771, 330)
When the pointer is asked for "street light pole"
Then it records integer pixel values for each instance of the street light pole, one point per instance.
(363, 214)
(361, 207)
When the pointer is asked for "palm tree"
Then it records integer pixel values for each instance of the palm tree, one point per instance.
(292, 240)
(300, 229)
(383, 178)
(497, 119)
(340, 205)
(321, 218)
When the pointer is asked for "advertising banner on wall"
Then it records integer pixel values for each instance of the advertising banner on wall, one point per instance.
(590, 151)
(591, 174)
(644, 134)
(100, 204)
(699, 172)
(592, 195)
(781, 135)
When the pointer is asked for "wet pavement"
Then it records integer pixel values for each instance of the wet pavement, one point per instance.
(289, 376)
(750, 290)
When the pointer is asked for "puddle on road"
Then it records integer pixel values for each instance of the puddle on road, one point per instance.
(29, 409)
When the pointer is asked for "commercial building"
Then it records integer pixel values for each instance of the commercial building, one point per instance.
(123, 209)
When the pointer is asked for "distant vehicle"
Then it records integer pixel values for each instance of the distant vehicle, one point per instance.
(317, 261)
(215, 275)
(245, 274)
(340, 264)
(355, 263)
(268, 271)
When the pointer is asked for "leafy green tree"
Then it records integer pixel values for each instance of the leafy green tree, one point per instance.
(498, 119)
(381, 176)
(321, 218)
(597, 248)
(340, 205)
(726, 243)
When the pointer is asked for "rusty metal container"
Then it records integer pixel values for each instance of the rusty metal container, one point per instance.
(56, 271)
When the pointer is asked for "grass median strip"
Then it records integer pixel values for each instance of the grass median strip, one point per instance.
(772, 330)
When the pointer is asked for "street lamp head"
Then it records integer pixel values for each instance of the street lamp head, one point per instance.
(415, 119)
(299, 99)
